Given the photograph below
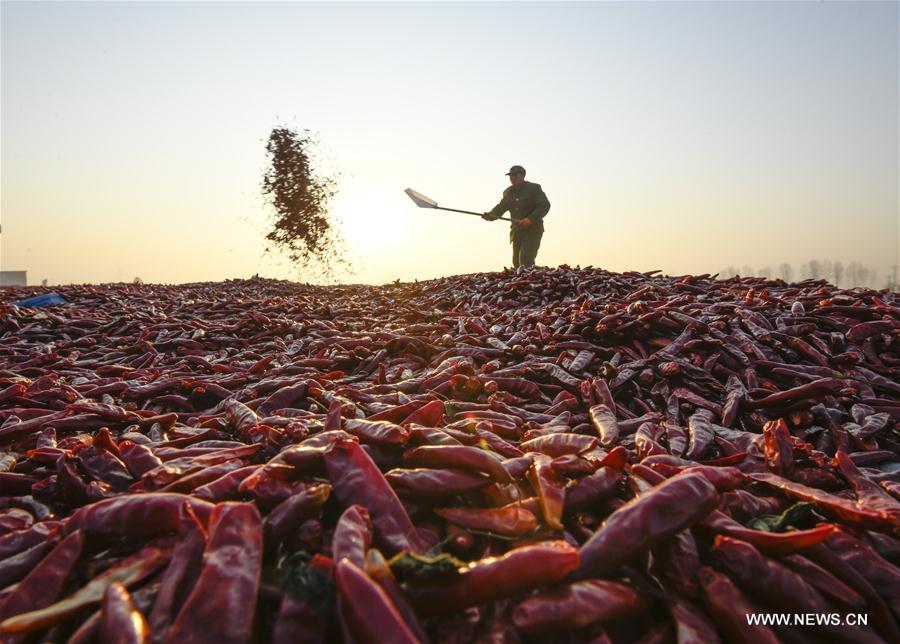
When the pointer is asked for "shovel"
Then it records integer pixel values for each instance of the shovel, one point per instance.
(424, 202)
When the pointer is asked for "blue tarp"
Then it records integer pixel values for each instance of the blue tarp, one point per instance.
(48, 299)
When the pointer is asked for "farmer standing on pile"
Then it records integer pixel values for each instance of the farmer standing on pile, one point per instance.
(527, 205)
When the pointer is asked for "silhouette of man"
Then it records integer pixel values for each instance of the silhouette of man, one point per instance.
(527, 205)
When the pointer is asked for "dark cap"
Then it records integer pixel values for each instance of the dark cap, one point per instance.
(516, 169)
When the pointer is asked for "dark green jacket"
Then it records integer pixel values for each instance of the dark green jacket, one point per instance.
(527, 200)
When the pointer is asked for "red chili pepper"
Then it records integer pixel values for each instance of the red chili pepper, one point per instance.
(691, 625)
(381, 432)
(732, 459)
(676, 437)
(357, 480)
(419, 435)
(429, 414)
(396, 414)
(262, 365)
(559, 443)
(779, 447)
(646, 521)
(826, 583)
(578, 605)
(869, 493)
(180, 575)
(701, 433)
(883, 619)
(370, 614)
(352, 536)
(139, 459)
(89, 631)
(103, 440)
(131, 571)
(190, 482)
(550, 489)
(508, 521)
(305, 460)
(742, 505)
(380, 572)
(773, 543)
(16, 484)
(423, 483)
(816, 389)
(883, 575)
(13, 568)
(768, 580)
(242, 417)
(853, 513)
(604, 419)
(646, 439)
(519, 570)
(283, 397)
(284, 520)
(458, 456)
(176, 468)
(725, 479)
(592, 488)
(140, 515)
(120, 619)
(15, 519)
(729, 609)
(217, 608)
(572, 466)
(13, 543)
(225, 488)
(676, 563)
(495, 443)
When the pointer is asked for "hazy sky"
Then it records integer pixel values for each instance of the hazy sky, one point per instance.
(685, 137)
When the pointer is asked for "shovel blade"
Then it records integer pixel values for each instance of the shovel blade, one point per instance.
(420, 200)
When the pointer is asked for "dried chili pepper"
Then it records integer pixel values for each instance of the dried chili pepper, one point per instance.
(352, 536)
(217, 608)
(357, 480)
(508, 521)
(672, 506)
(577, 605)
(120, 620)
(371, 615)
(519, 570)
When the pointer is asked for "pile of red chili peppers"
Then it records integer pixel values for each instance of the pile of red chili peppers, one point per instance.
(564, 454)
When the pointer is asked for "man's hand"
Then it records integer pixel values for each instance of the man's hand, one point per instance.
(525, 223)
(488, 217)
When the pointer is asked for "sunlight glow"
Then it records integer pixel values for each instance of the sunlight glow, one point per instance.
(372, 221)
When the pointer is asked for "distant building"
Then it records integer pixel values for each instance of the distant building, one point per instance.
(13, 278)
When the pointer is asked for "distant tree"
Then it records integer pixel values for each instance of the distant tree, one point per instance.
(786, 271)
(863, 276)
(838, 272)
(137, 281)
(766, 272)
(814, 269)
(825, 267)
(728, 271)
(44, 282)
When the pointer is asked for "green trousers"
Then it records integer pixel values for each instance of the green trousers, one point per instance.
(525, 246)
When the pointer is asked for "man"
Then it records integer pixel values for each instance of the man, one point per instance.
(527, 205)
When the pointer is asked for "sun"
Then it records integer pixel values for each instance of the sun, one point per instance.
(372, 220)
